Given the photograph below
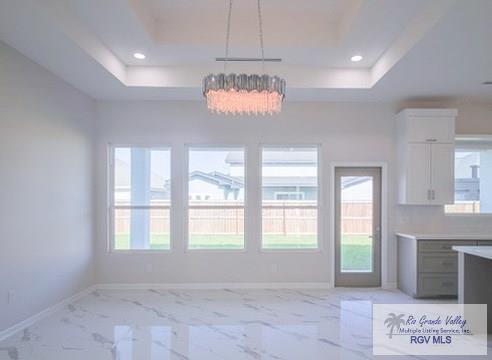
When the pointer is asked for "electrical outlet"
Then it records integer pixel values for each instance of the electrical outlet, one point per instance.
(10, 296)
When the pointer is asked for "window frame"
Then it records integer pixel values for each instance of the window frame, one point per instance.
(470, 140)
(186, 171)
(319, 198)
(111, 207)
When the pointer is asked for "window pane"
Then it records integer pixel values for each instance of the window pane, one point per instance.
(141, 229)
(142, 176)
(142, 193)
(216, 198)
(356, 224)
(473, 182)
(290, 198)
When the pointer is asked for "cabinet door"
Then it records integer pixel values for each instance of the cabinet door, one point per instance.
(430, 129)
(442, 173)
(418, 168)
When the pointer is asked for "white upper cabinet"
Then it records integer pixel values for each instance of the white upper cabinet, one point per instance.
(426, 156)
(427, 125)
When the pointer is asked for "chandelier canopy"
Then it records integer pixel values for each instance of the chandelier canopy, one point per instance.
(243, 93)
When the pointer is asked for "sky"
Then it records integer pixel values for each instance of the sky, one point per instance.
(208, 159)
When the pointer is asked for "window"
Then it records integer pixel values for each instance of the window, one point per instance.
(472, 177)
(285, 195)
(216, 198)
(141, 198)
(290, 198)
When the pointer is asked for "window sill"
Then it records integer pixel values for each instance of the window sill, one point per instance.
(468, 214)
(215, 251)
(296, 251)
(140, 251)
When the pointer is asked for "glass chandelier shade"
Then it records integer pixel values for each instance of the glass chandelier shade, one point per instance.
(244, 94)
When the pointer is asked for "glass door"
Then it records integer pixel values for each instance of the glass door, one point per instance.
(358, 226)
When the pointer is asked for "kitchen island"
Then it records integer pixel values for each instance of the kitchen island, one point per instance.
(475, 277)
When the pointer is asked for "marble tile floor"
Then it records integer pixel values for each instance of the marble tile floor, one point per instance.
(208, 324)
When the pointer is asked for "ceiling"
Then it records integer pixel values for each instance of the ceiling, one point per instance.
(412, 49)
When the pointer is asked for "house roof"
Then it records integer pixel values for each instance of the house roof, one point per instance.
(219, 179)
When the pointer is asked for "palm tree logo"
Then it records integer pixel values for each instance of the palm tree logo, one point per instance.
(393, 321)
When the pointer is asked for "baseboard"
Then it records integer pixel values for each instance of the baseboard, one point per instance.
(216, 286)
(44, 313)
(390, 286)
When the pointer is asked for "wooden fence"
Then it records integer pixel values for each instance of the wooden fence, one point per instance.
(289, 217)
(464, 207)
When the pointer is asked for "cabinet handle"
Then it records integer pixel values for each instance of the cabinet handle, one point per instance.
(445, 263)
(447, 283)
(431, 140)
(429, 194)
(446, 247)
(433, 192)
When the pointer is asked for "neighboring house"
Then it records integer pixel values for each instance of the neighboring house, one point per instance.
(285, 176)
(467, 176)
(215, 186)
(293, 176)
(280, 181)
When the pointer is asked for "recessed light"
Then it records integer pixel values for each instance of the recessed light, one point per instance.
(356, 58)
(139, 56)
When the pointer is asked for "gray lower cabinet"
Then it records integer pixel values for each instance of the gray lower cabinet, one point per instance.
(429, 268)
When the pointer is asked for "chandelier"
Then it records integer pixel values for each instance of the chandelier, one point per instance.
(242, 93)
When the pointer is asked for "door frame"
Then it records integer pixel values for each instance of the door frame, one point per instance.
(362, 278)
(385, 284)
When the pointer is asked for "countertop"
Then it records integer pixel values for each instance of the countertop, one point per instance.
(470, 237)
(481, 251)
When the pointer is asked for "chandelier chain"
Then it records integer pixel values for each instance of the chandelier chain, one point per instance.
(228, 35)
(260, 34)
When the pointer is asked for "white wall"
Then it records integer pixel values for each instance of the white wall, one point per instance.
(347, 132)
(46, 232)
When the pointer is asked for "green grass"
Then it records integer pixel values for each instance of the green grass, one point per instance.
(222, 241)
(356, 249)
(157, 242)
(275, 241)
(356, 253)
